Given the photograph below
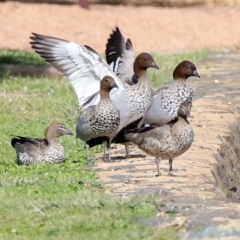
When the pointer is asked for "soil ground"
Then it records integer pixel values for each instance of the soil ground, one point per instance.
(150, 28)
(191, 204)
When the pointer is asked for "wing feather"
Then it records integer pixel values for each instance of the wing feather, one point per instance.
(120, 56)
(84, 68)
(81, 65)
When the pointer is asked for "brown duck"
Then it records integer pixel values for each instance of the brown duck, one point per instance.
(34, 150)
(85, 69)
(166, 141)
(100, 123)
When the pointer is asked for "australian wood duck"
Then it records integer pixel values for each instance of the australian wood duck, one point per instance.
(166, 100)
(99, 122)
(34, 150)
(120, 57)
(84, 68)
(165, 141)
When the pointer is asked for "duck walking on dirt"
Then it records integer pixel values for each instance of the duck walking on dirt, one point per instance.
(166, 141)
(34, 150)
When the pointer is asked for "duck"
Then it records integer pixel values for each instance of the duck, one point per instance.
(120, 57)
(31, 151)
(84, 68)
(99, 122)
(167, 100)
(165, 141)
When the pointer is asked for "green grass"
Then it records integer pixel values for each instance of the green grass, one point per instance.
(20, 57)
(67, 200)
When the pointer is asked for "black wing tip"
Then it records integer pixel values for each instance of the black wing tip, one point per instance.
(37, 36)
(114, 46)
(15, 140)
(34, 36)
(129, 44)
(90, 49)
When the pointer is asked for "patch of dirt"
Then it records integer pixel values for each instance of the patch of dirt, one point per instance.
(198, 212)
(150, 28)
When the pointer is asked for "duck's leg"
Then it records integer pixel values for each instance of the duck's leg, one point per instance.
(170, 167)
(107, 146)
(127, 151)
(87, 151)
(157, 160)
(104, 153)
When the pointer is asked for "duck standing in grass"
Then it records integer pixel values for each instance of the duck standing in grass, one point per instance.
(165, 141)
(34, 150)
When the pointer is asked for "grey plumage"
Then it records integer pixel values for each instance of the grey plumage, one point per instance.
(140, 94)
(167, 100)
(120, 57)
(34, 150)
(101, 120)
(166, 141)
(84, 69)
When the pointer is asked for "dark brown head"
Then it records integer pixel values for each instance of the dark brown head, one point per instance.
(55, 130)
(184, 110)
(185, 70)
(107, 84)
(143, 61)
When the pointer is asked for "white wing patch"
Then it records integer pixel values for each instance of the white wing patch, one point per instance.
(82, 67)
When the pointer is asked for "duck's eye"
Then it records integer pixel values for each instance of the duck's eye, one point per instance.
(187, 67)
(145, 59)
(106, 80)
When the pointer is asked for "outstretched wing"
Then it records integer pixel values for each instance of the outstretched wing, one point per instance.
(84, 68)
(81, 65)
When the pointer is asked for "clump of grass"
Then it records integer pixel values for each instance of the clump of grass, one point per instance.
(227, 170)
(20, 57)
